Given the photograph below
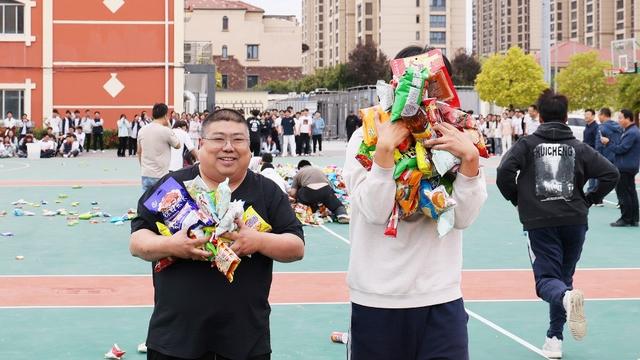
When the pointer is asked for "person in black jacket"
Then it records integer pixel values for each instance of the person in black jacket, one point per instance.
(553, 167)
(589, 137)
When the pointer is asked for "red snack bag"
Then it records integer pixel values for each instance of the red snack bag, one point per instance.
(456, 117)
(431, 110)
(392, 226)
(439, 83)
(478, 141)
(405, 145)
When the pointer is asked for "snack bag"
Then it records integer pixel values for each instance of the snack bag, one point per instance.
(434, 201)
(226, 261)
(408, 93)
(478, 141)
(418, 123)
(446, 221)
(365, 155)
(163, 263)
(392, 226)
(253, 220)
(431, 110)
(407, 187)
(172, 201)
(443, 161)
(222, 198)
(228, 221)
(201, 194)
(407, 161)
(369, 132)
(385, 93)
(424, 160)
(439, 84)
(456, 117)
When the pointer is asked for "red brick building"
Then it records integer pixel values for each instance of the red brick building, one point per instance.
(112, 56)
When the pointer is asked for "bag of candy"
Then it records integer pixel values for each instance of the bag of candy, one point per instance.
(434, 201)
(407, 188)
(423, 160)
(365, 155)
(253, 220)
(456, 117)
(226, 261)
(439, 84)
(406, 161)
(385, 93)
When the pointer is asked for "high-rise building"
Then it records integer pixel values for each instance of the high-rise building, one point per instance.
(497, 24)
(501, 24)
(332, 28)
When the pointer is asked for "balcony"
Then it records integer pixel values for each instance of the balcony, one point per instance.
(198, 52)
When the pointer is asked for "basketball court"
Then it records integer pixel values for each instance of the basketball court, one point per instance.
(78, 290)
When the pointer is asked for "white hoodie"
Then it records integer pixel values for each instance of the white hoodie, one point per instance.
(417, 268)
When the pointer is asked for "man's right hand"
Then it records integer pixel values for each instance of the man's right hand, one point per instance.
(184, 247)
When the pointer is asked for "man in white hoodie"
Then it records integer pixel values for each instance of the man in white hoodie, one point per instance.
(405, 292)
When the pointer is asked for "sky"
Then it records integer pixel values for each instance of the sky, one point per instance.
(294, 7)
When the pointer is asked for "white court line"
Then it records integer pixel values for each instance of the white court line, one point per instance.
(506, 333)
(25, 166)
(335, 234)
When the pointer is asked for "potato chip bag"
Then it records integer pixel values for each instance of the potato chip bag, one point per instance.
(423, 160)
(408, 93)
(407, 187)
(434, 201)
(253, 220)
(369, 131)
(226, 261)
(478, 141)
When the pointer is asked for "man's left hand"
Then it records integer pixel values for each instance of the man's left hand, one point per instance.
(246, 240)
(604, 140)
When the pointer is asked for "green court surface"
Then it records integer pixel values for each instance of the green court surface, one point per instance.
(298, 331)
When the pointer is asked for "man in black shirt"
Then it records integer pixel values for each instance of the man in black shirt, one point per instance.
(198, 314)
(288, 129)
(352, 123)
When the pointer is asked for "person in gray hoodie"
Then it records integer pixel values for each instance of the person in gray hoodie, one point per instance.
(406, 301)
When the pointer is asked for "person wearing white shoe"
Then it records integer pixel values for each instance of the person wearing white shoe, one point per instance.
(552, 348)
(543, 174)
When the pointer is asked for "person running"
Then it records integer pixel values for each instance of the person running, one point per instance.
(627, 160)
(154, 147)
(311, 187)
(406, 301)
(543, 175)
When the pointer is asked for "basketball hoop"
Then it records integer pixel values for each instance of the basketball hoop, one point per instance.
(624, 55)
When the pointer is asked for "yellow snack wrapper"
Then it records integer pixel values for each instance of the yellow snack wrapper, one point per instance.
(369, 131)
(424, 163)
(253, 220)
(226, 261)
(163, 229)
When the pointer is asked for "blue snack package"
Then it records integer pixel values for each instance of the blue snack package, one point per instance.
(178, 210)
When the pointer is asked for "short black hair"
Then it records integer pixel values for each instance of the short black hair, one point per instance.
(627, 114)
(222, 115)
(10, 112)
(303, 163)
(179, 124)
(266, 165)
(553, 107)
(414, 50)
(593, 112)
(534, 107)
(267, 158)
(255, 112)
(97, 112)
(605, 111)
(159, 110)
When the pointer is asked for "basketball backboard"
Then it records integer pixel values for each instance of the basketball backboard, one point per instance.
(624, 55)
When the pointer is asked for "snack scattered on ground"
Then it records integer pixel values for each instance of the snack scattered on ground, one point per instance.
(8, 233)
(340, 337)
(19, 257)
(115, 353)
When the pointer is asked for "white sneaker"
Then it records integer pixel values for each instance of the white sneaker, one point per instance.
(93, 151)
(599, 205)
(102, 150)
(573, 302)
(552, 348)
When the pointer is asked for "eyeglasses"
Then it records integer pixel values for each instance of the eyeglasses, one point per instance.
(238, 142)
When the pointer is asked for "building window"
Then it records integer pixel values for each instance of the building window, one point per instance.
(225, 23)
(437, 37)
(252, 81)
(225, 52)
(417, 35)
(12, 100)
(359, 26)
(369, 39)
(252, 52)
(589, 41)
(417, 19)
(589, 8)
(225, 81)
(438, 5)
(417, 3)
(368, 8)
(11, 17)
(359, 10)
(438, 21)
(368, 25)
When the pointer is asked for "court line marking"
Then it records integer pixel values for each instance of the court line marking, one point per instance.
(288, 272)
(27, 165)
(506, 333)
(27, 307)
(335, 234)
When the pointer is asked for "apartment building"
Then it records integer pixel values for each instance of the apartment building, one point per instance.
(332, 28)
(247, 46)
(501, 24)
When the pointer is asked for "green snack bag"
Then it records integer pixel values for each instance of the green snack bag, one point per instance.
(409, 91)
(404, 164)
(85, 216)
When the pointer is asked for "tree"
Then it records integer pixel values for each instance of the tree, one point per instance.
(366, 66)
(512, 79)
(465, 68)
(584, 82)
(628, 88)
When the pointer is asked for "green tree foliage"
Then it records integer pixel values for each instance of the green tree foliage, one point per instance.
(585, 83)
(628, 92)
(465, 68)
(511, 79)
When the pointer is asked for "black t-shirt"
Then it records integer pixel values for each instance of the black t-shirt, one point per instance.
(265, 129)
(196, 309)
(254, 127)
(287, 125)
